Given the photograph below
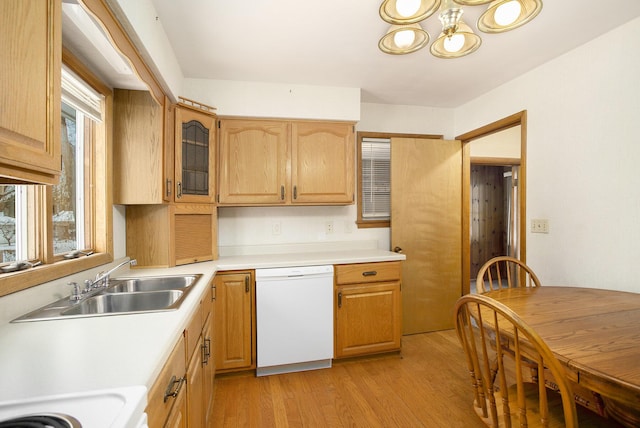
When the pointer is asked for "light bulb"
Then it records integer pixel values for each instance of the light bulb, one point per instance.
(454, 43)
(404, 38)
(507, 13)
(407, 8)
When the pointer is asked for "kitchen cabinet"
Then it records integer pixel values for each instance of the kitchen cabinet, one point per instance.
(195, 152)
(199, 373)
(143, 148)
(275, 162)
(322, 162)
(168, 390)
(235, 321)
(171, 234)
(30, 87)
(368, 308)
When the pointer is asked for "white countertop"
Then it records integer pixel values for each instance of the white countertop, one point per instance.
(74, 355)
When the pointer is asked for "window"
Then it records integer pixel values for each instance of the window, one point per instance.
(376, 171)
(45, 225)
(374, 177)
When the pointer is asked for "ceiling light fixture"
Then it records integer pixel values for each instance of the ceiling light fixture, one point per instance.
(457, 39)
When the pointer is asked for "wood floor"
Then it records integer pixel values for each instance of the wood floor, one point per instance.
(427, 386)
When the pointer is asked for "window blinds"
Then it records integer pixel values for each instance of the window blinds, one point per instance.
(376, 178)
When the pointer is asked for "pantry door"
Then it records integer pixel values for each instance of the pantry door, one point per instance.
(426, 225)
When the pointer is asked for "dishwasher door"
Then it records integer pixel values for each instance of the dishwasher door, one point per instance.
(294, 319)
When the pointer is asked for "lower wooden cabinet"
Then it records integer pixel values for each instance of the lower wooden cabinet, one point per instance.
(182, 395)
(235, 321)
(200, 367)
(368, 308)
(172, 234)
(169, 387)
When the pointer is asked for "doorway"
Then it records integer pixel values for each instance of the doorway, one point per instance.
(493, 150)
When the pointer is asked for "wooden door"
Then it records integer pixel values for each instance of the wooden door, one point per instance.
(426, 223)
(253, 162)
(322, 163)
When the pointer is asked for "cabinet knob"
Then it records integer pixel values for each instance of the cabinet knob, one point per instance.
(397, 250)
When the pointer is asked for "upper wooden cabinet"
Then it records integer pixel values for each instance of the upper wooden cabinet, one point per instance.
(253, 161)
(322, 162)
(143, 148)
(274, 162)
(195, 154)
(30, 61)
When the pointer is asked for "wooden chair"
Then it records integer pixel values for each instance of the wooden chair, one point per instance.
(505, 272)
(489, 331)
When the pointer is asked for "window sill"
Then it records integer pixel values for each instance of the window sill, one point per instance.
(17, 281)
(373, 223)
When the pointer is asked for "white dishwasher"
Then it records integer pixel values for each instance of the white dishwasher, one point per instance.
(294, 319)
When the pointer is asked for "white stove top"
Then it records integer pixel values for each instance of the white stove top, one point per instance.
(112, 408)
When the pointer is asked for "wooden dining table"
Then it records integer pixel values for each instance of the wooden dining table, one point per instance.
(594, 333)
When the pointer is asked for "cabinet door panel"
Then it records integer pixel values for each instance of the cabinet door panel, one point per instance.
(30, 59)
(253, 157)
(322, 162)
(234, 321)
(195, 155)
(367, 318)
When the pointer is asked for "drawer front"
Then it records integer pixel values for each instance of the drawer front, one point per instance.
(170, 381)
(367, 272)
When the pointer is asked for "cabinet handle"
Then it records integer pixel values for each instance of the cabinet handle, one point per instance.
(370, 273)
(206, 351)
(177, 383)
(246, 284)
(282, 193)
(179, 195)
(340, 299)
(295, 192)
(169, 187)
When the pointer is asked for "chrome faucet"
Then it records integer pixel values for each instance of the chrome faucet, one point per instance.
(102, 279)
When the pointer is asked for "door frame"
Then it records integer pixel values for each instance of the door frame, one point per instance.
(516, 119)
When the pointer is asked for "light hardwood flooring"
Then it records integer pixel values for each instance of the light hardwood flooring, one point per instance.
(427, 386)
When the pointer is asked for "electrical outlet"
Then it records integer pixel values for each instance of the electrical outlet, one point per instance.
(276, 228)
(540, 226)
(328, 227)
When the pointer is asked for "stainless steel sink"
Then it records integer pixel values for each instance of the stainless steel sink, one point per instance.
(126, 303)
(151, 283)
(130, 295)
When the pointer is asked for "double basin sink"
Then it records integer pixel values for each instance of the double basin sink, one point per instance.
(122, 296)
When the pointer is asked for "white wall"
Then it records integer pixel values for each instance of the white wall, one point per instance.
(582, 159)
(273, 100)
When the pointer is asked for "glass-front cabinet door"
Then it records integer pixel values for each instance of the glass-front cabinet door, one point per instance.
(195, 155)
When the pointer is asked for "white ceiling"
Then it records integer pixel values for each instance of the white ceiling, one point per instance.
(335, 43)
